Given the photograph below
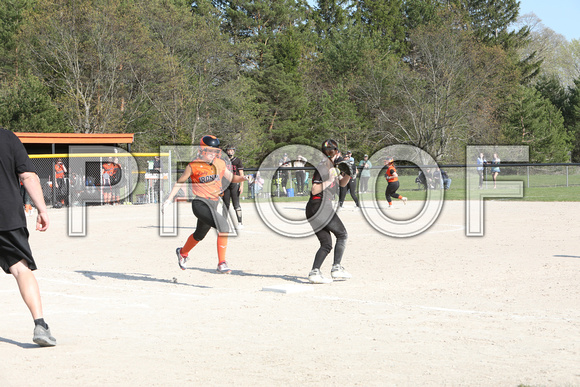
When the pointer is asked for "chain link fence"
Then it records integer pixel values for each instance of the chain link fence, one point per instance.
(532, 175)
(114, 179)
(111, 178)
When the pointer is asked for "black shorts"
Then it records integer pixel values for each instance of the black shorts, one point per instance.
(14, 247)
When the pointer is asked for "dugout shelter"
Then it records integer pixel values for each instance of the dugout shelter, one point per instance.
(45, 148)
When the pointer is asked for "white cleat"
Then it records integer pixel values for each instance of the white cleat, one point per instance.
(181, 260)
(338, 273)
(223, 268)
(316, 277)
(404, 200)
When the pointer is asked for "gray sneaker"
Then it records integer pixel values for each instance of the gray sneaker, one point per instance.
(338, 272)
(42, 337)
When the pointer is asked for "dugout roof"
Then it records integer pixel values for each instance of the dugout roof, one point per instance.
(53, 142)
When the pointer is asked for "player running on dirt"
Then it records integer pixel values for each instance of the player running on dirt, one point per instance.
(206, 173)
(392, 182)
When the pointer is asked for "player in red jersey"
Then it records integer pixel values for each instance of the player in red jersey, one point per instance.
(206, 173)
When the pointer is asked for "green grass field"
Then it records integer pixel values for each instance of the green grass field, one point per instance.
(544, 188)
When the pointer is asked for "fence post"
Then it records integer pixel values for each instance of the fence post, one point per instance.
(169, 174)
(528, 168)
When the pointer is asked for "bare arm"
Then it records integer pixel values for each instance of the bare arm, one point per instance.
(242, 182)
(32, 185)
(179, 184)
(343, 179)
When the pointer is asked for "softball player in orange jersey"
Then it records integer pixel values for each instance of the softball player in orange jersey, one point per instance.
(206, 173)
(392, 182)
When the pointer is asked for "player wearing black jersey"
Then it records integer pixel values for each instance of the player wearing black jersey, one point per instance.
(322, 216)
(234, 190)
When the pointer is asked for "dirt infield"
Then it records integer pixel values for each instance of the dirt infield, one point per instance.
(436, 309)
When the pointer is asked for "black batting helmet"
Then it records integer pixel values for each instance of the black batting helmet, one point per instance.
(329, 144)
(209, 141)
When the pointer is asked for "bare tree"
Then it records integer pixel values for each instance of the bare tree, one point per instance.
(448, 84)
(556, 53)
(84, 50)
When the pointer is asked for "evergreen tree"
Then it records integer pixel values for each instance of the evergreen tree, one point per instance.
(11, 17)
(531, 119)
(572, 119)
(382, 21)
(26, 106)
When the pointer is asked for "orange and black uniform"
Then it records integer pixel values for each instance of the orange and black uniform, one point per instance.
(393, 184)
(116, 176)
(59, 178)
(59, 171)
(108, 171)
(206, 184)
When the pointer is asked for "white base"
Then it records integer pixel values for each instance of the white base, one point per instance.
(287, 288)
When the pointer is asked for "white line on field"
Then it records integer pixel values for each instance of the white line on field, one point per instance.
(441, 309)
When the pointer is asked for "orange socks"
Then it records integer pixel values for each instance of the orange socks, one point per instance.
(189, 244)
(222, 244)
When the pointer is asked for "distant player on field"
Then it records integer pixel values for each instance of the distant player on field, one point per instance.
(392, 182)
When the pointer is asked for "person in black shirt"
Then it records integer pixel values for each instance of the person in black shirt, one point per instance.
(234, 190)
(322, 216)
(351, 185)
(15, 253)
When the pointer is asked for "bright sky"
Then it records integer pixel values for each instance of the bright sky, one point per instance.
(562, 16)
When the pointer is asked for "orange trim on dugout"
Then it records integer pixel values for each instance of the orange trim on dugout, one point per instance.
(75, 138)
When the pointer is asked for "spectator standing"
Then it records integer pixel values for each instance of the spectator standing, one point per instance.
(116, 177)
(300, 174)
(157, 183)
(256, 185)
(495, 169)
(108, 169)
(481, 161)
(365, 173)
(59, 171)
(285, 163)
(351, 185)
(446, 180)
